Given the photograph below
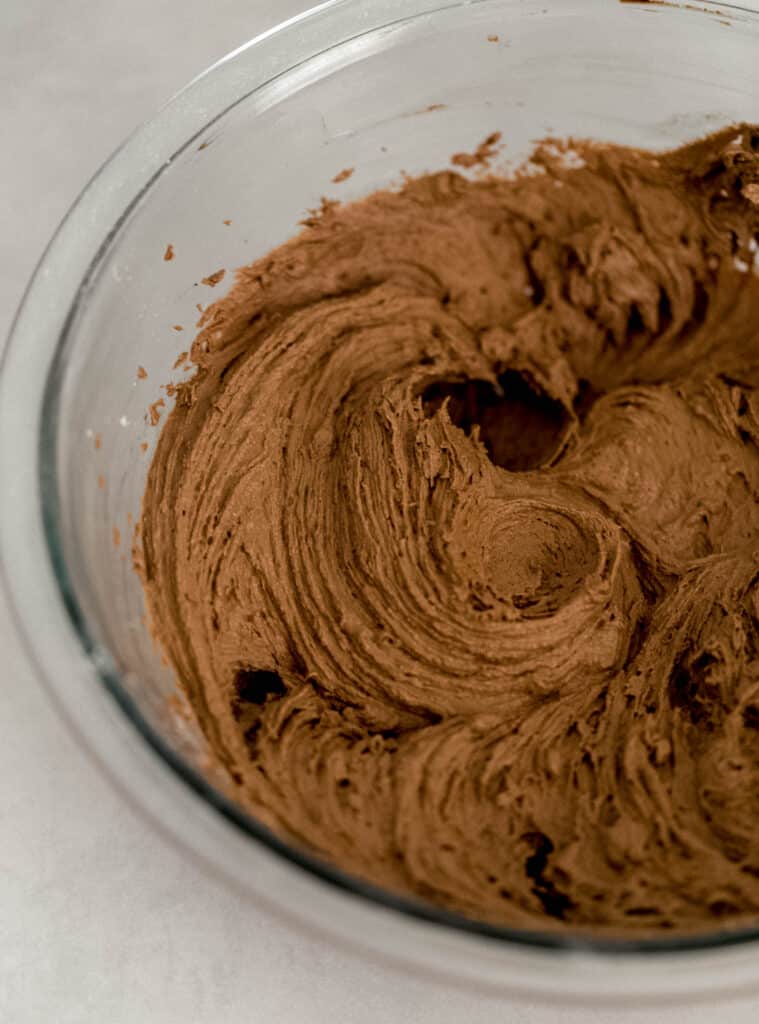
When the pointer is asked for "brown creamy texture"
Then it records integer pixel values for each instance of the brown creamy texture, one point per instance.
(453, 537)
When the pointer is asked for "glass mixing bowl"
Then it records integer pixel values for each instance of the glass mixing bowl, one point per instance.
(383, 86)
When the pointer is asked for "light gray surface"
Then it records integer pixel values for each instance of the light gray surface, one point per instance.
(100, 920)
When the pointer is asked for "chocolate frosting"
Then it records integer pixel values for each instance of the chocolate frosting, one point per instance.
(453, 537)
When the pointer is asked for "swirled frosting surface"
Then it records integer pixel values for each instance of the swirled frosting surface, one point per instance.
(453, 537)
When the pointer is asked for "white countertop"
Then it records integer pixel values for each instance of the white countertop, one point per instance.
(101, 920)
